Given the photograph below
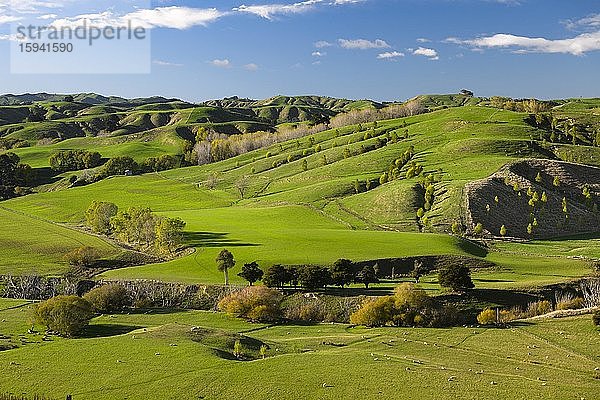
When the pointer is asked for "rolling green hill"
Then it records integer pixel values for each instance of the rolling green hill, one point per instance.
(321, 197)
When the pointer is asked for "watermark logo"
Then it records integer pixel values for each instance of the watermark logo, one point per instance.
(100, 43)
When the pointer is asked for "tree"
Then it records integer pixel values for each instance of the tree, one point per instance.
(238, 349)
(83, 256)
(66, 315)
(556, 181)
(242, 185)
(418, 271)
(478, 230)
(503, 230)
(487, 317)
(276, 276)
(251, 272)
(225, 261)
(108, 298)
(98, 216)
(457, 278)
(342, 273)
(12, 175)
(255, 303)
(367, 276)
(118, 166)
(168, 235)
(74, 160)
(456, 229)
(378, 312)
(69, 99)
(313, 277)
(538, 177)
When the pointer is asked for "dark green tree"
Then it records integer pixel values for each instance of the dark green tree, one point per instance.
(342, 273)
(312, 277)
(457, 278)
(276, 276)
(367, 276)
(251, 272)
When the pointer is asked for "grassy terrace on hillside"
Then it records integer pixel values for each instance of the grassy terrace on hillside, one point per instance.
(294, 216)
(157, 355)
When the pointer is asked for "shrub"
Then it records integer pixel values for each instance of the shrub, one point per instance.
(538, 308)
(108, 298)
(570, 304)
(321, 308)
(409, 306)
(82, 257)
(507, 316)
(256, 303)
(66, 315)
(596, 318)
(378, 312)
(487, 317)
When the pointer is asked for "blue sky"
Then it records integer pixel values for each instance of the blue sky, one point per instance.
(378, 49)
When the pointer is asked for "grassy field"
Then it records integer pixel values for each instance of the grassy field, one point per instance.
(30, 245)
(158, 356)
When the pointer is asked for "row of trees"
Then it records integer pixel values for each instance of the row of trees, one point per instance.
(342, 273)
(137, 226)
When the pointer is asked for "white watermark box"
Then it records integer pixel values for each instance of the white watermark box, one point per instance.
(110, 40)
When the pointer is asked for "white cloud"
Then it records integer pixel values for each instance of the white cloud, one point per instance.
(166, 63)
(319, 54)
(269, 11)
(363, 44)
(225, 63)
(321, 44)
(423, 40)
(12, 38)
(7, 19)
(423, 51)
(48, 16)
(591, 21)
(579, 45)
(390, 55)
(30, 6)
(251, 67)
(174, 17)
(161, 17)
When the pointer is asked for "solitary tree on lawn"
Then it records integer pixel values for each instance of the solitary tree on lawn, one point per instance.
(225, 261)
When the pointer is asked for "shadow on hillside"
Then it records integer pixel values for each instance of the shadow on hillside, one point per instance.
(213, 239)
(473, 248)
(107, 330)
(45, 175)
(503, 298)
